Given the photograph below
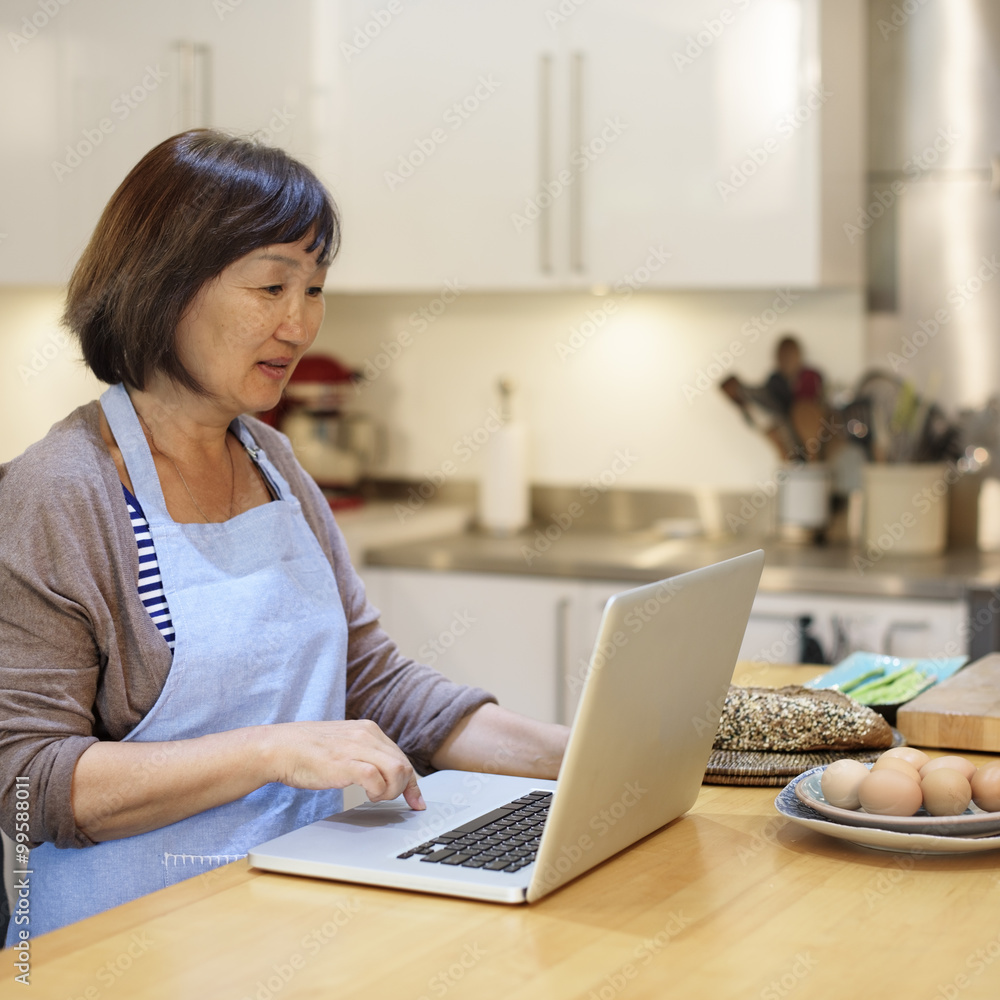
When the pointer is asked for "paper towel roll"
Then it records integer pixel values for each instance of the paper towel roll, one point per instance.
(504, 501)
(988, 534)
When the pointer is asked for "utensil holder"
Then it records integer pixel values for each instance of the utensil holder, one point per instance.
(906, 508)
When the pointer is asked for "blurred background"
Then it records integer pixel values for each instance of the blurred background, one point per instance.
(611, 207)
(436, 126)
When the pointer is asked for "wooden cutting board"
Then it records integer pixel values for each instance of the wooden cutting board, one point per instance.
(960, 713)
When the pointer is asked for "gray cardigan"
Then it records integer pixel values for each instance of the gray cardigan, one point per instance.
(80, 658)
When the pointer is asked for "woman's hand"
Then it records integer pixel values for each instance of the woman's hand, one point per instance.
(337, 754)
(121, 789)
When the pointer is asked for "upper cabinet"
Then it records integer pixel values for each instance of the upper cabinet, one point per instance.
(607, 143)
(433, 146)
(705, 130)
(88, 92)
(500, 145)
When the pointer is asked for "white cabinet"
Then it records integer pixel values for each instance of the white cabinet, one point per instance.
(94, 89)
(529, 639)
(499, 145)
(723, 154)
(433, 114)
(624, 143)
(507, 634)
(591, 597)
(92, 94)
(842, 625)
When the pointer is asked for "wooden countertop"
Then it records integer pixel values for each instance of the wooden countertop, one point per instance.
(730, 901)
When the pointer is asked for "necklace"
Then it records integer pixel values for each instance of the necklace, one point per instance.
(232, 470)
(232, 490)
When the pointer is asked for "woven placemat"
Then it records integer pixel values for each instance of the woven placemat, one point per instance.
(769, 767)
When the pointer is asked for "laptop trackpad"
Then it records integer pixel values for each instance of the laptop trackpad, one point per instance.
(394, 826)
(372, 814)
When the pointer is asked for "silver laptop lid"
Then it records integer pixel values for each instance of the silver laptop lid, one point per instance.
(641, 739)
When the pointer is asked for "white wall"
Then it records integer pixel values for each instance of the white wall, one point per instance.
(621, 390)
(43, 376)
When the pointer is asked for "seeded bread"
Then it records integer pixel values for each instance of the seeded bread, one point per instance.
(795, 718)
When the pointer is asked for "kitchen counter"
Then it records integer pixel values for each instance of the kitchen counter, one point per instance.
(378, 524)
(645, 556)
(730, 901)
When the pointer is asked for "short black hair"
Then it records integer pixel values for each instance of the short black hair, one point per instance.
(189, 208)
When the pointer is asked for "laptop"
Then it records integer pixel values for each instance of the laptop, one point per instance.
(638, 748)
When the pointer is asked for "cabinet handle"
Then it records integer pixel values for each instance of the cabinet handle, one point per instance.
(562, 657)
(194, 83)
(545, 161)
(575, 142)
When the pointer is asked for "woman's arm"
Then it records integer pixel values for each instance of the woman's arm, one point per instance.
(499, 741)
(123, 789)
(412, 703)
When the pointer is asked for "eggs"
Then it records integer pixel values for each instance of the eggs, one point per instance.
(903, 779)
(986, 787)
(897, 764)
(952, 761)
(889, 792)
(917, 758)
(840, 783)
(946, 792)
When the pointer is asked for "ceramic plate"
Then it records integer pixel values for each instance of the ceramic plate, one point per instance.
(972, 823)
(860, 663)
(789, 805)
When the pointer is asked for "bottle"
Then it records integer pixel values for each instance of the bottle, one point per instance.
(504, 493)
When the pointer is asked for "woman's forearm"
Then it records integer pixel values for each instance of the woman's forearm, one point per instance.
(128, 788)
(123, 789)
(502, 742)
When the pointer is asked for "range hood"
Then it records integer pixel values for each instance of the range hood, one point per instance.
(931, 219)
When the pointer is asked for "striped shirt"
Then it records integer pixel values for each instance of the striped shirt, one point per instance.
(150, 583)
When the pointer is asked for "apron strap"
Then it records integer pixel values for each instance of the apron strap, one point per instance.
(279, 486)
(125, 426)
(138, 458)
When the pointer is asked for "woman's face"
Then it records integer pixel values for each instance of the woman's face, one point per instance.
(246, 330)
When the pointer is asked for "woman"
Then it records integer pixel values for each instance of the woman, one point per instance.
(188, 663)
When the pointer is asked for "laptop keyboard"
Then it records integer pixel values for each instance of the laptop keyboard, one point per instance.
(504, 839)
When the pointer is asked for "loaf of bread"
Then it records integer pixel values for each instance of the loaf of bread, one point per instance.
(797, 718)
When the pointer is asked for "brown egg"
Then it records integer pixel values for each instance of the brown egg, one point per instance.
(897, 764)
(840, 783)
(946, 792)
(952, 761)
(890, 793)
(986, 787)
(910, 754)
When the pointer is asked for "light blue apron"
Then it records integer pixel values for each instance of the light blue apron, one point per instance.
(261, 638)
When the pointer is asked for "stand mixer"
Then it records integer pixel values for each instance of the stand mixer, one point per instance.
(335, 446)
